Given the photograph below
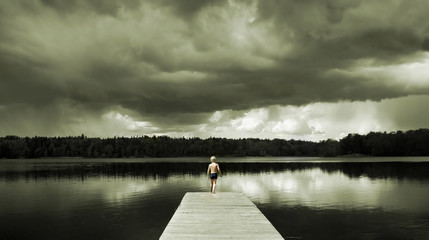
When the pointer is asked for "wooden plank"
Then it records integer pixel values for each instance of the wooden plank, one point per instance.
(225, 215)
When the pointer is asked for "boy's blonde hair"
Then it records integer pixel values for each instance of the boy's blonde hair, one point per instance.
(213, 159)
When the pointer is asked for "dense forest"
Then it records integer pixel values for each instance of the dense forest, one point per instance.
(410, 143)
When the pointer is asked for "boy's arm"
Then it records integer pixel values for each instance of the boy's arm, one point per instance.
(208, 172)
(218, 168)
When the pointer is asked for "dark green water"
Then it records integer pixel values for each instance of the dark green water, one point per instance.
(304, 198)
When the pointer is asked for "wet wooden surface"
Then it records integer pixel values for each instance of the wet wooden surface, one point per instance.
(224, 215)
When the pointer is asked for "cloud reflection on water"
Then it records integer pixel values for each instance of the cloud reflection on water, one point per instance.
(318, 189)
(396, 186)
(112, 199)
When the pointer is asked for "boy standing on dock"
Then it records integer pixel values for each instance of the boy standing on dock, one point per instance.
(212, 173)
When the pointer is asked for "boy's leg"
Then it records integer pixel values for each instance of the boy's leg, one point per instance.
(214, 186)
(211, 185)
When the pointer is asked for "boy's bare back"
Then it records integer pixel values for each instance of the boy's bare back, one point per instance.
(214, 167)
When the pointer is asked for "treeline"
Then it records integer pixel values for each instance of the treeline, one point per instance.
(410, 143)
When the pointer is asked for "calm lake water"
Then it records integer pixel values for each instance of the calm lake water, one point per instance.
(304, 198)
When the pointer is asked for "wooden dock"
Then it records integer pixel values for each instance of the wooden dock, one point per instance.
(224, 215)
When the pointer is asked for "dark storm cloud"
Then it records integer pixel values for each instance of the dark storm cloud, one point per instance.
(23, 82)
(176, 62)
(187, 9)
(384, 32)
(100, 7)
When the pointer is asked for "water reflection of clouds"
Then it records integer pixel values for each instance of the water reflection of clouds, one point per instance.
(318, 189)
(311, 186)
(118, 193)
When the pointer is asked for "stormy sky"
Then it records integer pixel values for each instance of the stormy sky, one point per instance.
(311, 69)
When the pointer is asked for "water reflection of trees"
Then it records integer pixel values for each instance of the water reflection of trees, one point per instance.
(83, 171)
